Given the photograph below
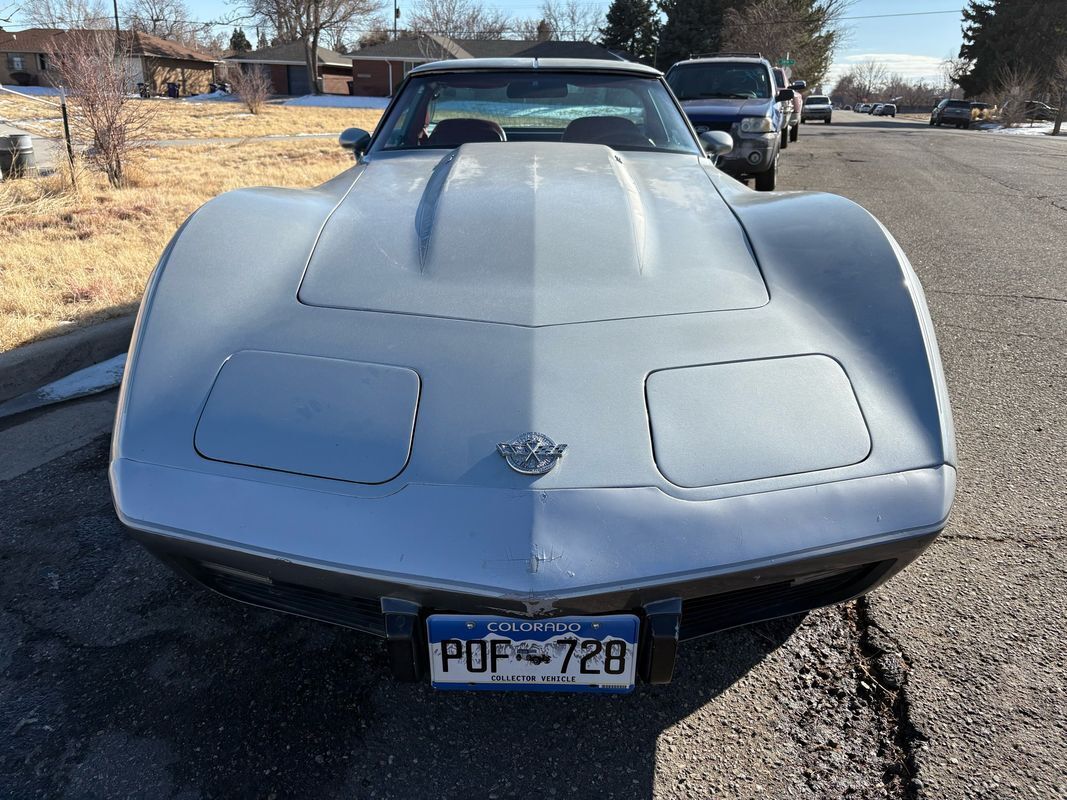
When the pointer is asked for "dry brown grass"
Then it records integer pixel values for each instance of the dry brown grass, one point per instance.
(212, 119)
(69, 259)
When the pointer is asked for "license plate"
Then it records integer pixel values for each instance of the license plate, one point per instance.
(565, 654)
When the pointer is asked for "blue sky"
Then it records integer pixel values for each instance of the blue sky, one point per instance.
(911, 45)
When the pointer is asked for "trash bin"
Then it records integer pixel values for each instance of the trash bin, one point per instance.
(16, 156)
(172, 90)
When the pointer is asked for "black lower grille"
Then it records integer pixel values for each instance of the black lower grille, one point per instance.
(361, 613)
(704, 615)
(713, 126)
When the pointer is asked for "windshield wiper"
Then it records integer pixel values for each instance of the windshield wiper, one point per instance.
(727, 96)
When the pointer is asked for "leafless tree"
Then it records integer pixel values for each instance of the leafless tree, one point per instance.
(759, 28)
(105, 114)
(1013, 88)
(572, 21)
(809, 32)
(952, 69)
(337, 40)
(1058, 82)
(310, 22)
(377, 31)
(66, 13)
(534, 29)
(166, 19)
(252, 85)
(870, 76)
(458, 19)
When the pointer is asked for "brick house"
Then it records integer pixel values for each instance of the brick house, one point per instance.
(24, 59)
(288, 72)
(377, 70)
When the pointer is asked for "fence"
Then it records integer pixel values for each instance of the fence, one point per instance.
(60, 114)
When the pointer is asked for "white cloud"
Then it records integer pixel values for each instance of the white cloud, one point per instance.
(906, 64)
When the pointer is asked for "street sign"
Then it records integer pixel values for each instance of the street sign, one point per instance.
(786, 62)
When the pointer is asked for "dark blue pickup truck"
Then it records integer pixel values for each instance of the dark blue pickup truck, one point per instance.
(736, 93)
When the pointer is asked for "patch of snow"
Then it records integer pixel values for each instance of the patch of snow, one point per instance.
(1039, 129)
(297, 136)
(338, 101)
(216, 95)
(97, 378)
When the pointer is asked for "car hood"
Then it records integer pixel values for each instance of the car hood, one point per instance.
(725, 110)
(533, 234)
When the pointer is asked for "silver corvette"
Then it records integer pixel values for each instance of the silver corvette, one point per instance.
(533, 391)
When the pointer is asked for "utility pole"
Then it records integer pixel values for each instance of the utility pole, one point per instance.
(118, 34)
(396, 16)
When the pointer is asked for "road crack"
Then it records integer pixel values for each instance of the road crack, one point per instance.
(882, 670)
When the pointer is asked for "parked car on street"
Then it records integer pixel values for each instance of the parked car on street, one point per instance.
(793, 110)
(862, 108)
(736, 93)
(817, 107)
(875, 108)
(951, 112)
(885, 110)
(339, 402)
(1043, 112)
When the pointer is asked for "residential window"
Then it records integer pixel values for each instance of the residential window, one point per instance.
(42, 62)
(16, 62)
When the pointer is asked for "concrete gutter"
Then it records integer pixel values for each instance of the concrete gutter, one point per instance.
(34, 365)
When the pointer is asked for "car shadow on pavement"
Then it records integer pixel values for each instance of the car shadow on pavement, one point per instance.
(123, 680)
(865, 121)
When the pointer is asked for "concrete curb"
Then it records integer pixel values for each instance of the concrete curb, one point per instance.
(33, 365)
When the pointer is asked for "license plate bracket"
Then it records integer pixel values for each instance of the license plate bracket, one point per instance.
(563, 654)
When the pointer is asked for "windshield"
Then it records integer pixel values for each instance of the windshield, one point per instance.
(815, 100)
(957, 104)
(626, 112)
(721, 79)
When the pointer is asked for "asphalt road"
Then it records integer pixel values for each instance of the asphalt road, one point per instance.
(118, 680)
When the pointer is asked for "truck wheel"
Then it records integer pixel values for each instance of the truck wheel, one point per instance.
(827, 120)
(765, 181)
(785, 138)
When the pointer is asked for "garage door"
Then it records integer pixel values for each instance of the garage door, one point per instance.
(298, 81)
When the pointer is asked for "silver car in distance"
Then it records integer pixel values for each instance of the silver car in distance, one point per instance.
(533, 391)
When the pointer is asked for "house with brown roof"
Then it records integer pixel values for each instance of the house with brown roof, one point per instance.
(287, 67)
(377, 70)
(24, 59)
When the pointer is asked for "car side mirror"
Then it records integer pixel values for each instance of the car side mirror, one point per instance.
(799, 85)
(785, 96)
(716, 143)
(354, 139)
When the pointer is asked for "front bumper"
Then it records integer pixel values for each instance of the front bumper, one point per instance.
(751, 155)
(344, 559)
(816, 114)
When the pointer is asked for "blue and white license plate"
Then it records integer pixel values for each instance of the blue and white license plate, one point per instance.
(565, 654)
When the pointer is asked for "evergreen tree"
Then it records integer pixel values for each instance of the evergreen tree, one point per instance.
(239, 42)
(631, 27)
(1025, 36)
(692, 27)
